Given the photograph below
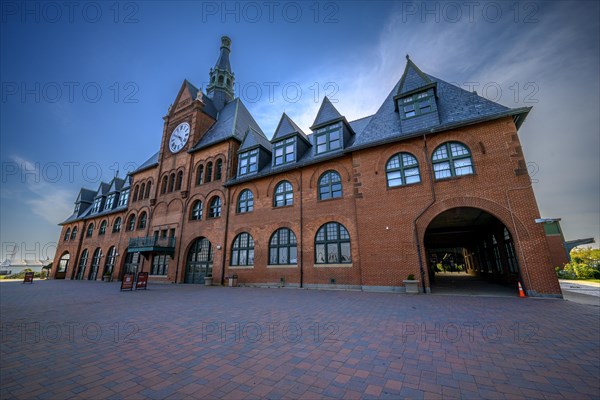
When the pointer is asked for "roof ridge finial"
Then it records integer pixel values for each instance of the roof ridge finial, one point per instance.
(407, 57)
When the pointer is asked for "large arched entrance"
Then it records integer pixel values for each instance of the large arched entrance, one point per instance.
(63, 266)
(199, 261)
(470, 251)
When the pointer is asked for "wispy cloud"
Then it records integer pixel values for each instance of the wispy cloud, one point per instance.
(46, 199)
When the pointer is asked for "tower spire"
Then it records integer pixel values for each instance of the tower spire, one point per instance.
(220, 88)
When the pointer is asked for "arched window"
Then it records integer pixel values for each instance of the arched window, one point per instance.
(82, 264)
(135, 193)
(209, 171)
(110, 261)
(165, 179)
(215, 207)
(67, 234)
(218, 169)
(330, 186)
(452, 159)
(196, 214)
(242, 251)
(102, 229)
(131, 222)
(221, 79)
(142, 191)
(284, 195)
(117, 225)
(171, 182)
(179, 180)
(402, 169)
(245, 202)
(142, 220)
(200, 175)
(74, 233)
(63, 263)
(148, 190)
(90, 230)
(332, 244)
(282, 248)
(95, 264)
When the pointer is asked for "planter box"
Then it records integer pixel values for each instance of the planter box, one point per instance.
(208, 281)
(412, 287)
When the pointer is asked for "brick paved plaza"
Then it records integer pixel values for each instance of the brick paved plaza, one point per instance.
(80, 339)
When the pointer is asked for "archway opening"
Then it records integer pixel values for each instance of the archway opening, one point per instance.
(471, 252)
(199, 261)
(63, 266)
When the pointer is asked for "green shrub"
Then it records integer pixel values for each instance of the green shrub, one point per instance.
(579, 270)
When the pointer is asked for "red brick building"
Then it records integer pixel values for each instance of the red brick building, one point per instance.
(436, 177)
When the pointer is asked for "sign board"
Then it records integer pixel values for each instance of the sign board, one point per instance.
(28, 277)
(142, 281)
(127, 282)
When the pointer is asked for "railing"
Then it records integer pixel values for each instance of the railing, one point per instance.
(151, 243)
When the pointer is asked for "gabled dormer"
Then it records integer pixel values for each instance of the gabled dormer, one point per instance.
(100, 197)
(124, 193)
(331, 131)
(254, 153)
(289, 142)
(416, 100)
(112, 196)
(84, 201)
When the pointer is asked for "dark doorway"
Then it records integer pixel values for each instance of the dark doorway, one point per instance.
(471, 252)
(199, 261)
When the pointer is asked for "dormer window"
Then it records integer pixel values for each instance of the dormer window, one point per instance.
(328, 138)
(123, 198)
(248, 162)
(96, 206)
(110, 201)
(284, 152)
(77, 205)
(416, 104)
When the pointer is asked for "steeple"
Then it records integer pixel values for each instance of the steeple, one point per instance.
(220, 88)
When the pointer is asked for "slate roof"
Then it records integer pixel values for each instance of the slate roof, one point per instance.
(232, 123)
(223, 60)
(456, 107)
(360, 124)
(287, 127)
(149, 163)
(412, 78)
(209, 106)
(327, 114)
(309, 157)
(102, 189)
(116, 185)
(254, 139)
(86, 195)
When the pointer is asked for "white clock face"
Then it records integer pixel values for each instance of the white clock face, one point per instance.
(179, 137)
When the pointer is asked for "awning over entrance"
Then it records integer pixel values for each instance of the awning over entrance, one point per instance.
(151, 244)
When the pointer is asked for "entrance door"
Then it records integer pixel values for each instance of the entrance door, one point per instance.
(199, 261)
(63, 266)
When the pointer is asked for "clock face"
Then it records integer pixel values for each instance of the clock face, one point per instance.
(179, 137)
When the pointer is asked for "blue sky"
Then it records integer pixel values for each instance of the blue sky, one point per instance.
(85, 86)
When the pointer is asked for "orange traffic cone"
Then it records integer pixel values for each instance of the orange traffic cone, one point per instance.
(521, 292)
